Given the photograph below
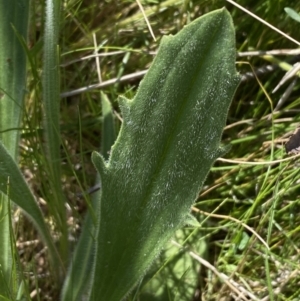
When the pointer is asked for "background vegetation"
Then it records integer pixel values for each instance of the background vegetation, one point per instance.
(263, 196)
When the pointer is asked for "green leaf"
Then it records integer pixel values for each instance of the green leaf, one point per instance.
(169, 140)
(292, 13)
(244, 240)
(175, 274)
(14, 16)
(51, 107)
(108, 128)
(12, 182)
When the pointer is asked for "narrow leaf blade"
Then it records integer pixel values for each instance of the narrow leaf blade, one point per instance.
(21, 195)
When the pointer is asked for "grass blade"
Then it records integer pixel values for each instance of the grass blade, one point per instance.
(13, 21)
(51, 98)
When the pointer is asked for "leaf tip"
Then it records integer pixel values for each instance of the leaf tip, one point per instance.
(99, 163)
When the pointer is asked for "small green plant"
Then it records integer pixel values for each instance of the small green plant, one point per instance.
(169, 139)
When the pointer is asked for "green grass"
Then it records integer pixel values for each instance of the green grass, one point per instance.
(265, 197)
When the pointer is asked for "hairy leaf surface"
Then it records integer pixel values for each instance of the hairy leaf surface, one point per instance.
(169, 140)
